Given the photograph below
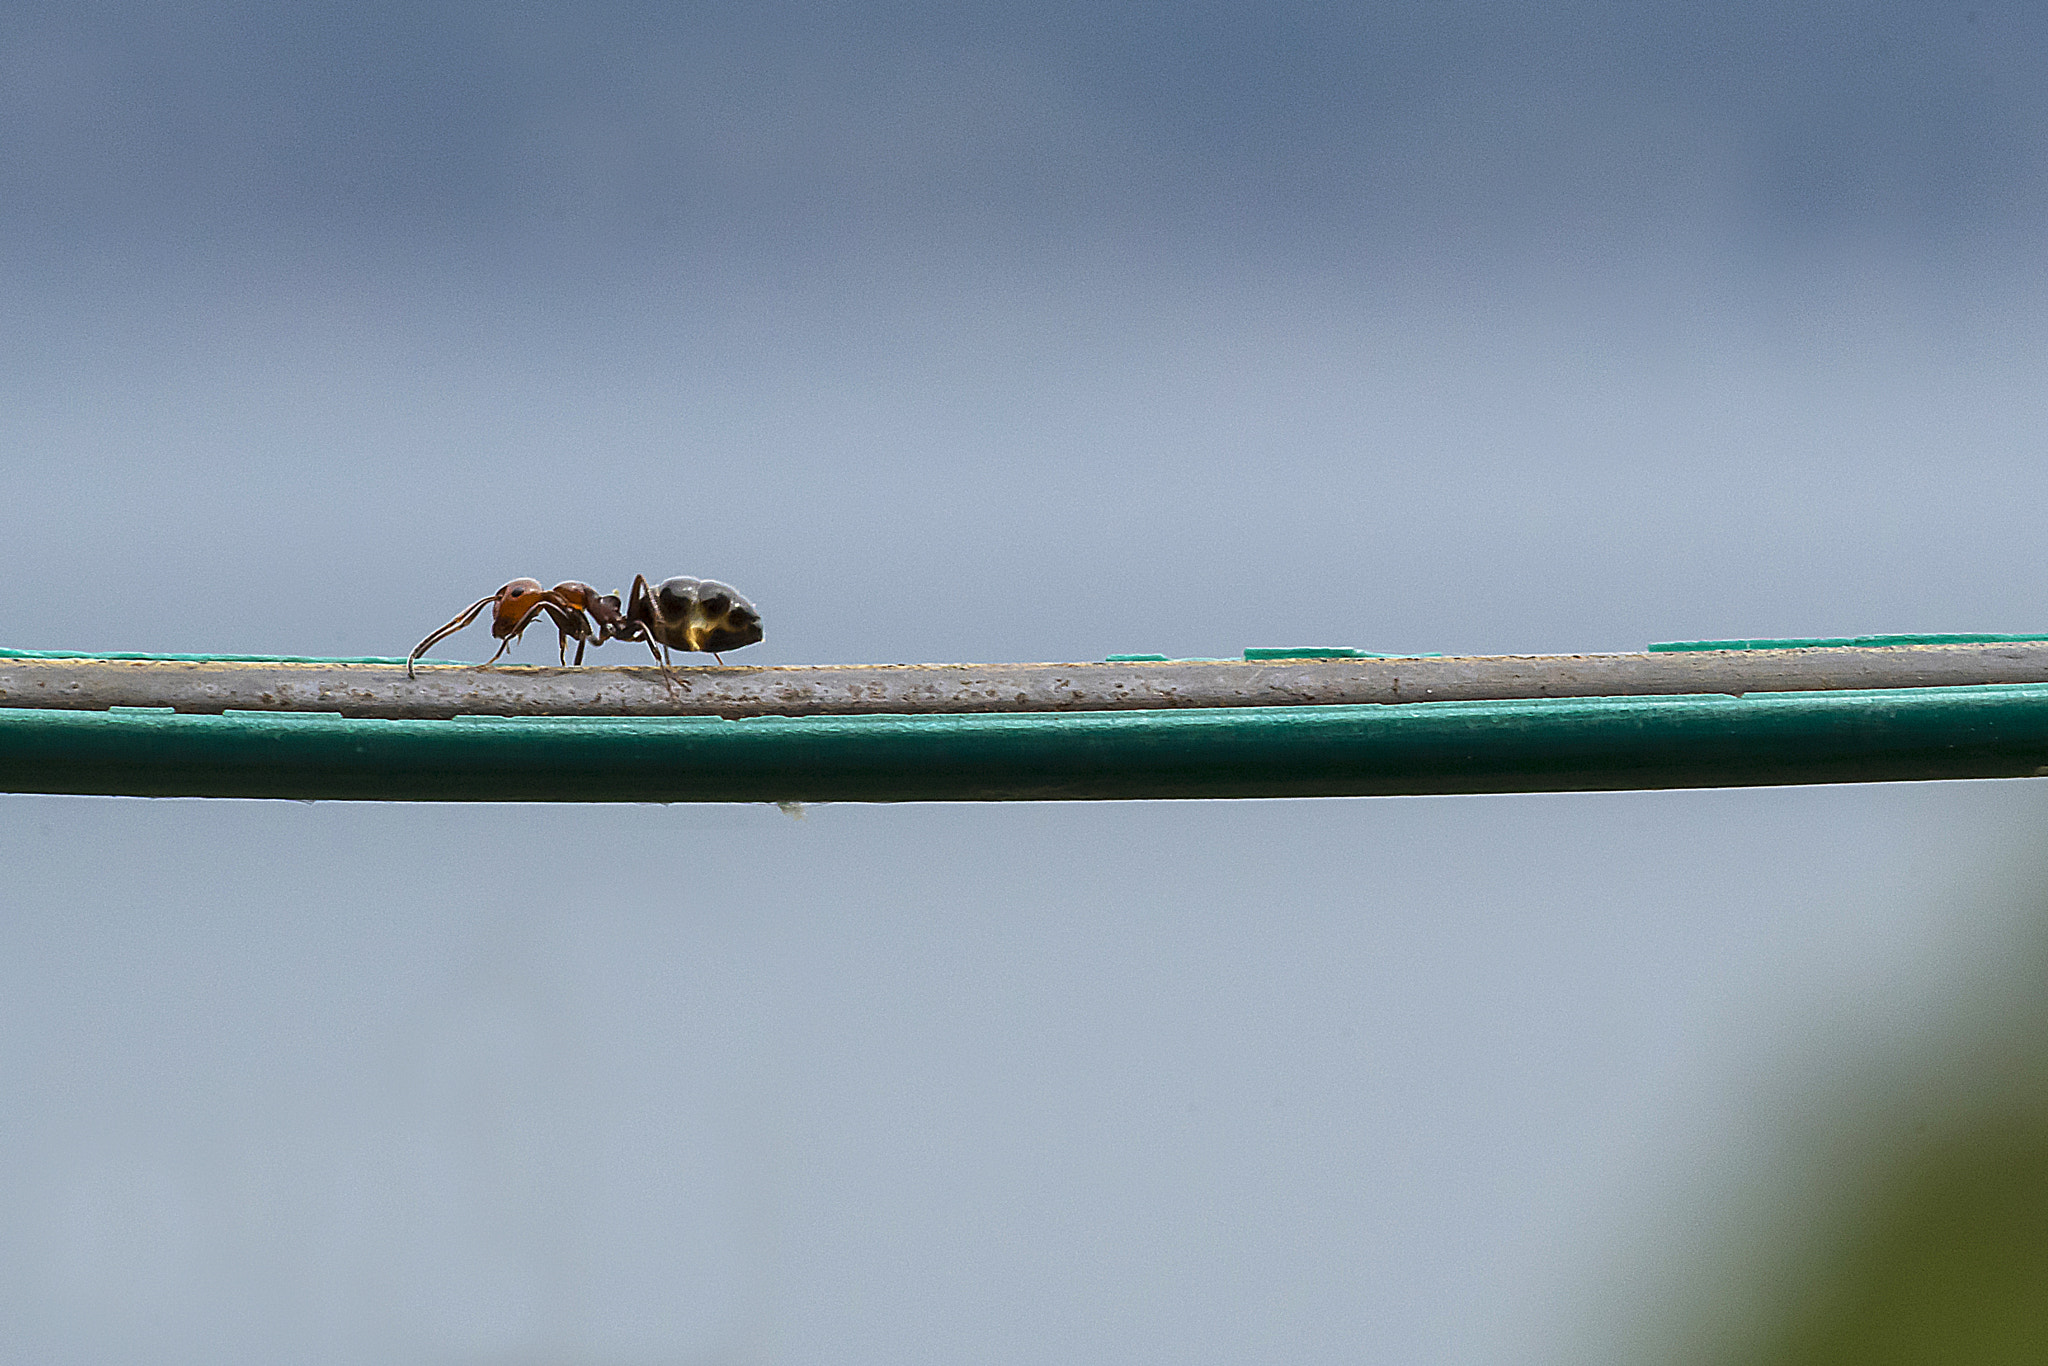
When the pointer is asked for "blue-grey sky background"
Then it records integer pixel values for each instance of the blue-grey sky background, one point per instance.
(984, 333)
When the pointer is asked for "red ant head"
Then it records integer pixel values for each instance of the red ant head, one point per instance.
(513, 605)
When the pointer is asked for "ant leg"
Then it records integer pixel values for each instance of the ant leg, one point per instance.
(450, 629)
(570, 623)
(658, 651)
(518, 630)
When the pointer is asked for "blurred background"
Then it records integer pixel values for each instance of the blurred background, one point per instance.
(997, 333)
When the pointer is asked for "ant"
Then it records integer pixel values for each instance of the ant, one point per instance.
(682, 613)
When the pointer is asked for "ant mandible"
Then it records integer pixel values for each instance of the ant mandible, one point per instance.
(514, 607)
(682, 613)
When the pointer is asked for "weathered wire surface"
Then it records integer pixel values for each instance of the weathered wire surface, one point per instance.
(381, 688)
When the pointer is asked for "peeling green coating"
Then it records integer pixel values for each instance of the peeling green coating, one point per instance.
(1556, 744)
(1839, 642)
